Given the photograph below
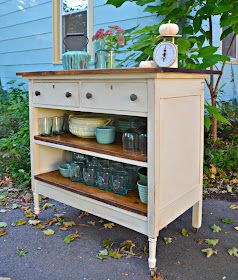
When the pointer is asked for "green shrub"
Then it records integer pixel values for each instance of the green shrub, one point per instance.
(14, 134)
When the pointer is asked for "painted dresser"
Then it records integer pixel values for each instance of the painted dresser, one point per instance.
(171, 100)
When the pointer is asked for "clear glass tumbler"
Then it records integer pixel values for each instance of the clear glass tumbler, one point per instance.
(90, 175)
(143, 143)
(76, 172)
(57, 126)
(104, 179)
(130, 141)
(45, 126)
(120, 182)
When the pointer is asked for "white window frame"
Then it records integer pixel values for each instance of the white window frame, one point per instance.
(57, 29)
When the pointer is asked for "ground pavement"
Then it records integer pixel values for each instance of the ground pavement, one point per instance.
(50, 258)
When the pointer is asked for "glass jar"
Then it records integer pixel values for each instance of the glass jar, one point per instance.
(57, 125)
(45, 126)
(90, 175)
(76, 172)
(120, 182)
(143, 143)
(104, 179)
(130, 140)
(132, 176)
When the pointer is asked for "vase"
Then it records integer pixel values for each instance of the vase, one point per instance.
(100, 59)
(98, 45)
(111, 59)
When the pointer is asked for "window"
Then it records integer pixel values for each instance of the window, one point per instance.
(233, 53)
(71, 16)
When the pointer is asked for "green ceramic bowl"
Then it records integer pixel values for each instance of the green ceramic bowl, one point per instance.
(65, 170)
(143, 192)
(142, 172)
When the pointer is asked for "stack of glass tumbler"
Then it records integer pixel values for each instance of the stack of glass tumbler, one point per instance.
(108, 175)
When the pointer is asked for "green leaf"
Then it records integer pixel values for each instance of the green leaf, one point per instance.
(168, 240)
(207, 122)
(209, 252)
(47, 206)
(19, 222)
(115, 254)
(48, 232)
(228, 221)
(107, 244)
(34, 222)
(233, 252)
(211, 242)
(71, 237)
(184, 232)
(215, 228)
(197, 23)
(21, 252)
(103, 254)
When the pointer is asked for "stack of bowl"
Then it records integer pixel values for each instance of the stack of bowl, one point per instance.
(143, 185)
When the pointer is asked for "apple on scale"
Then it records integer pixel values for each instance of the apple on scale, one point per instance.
(166, 53)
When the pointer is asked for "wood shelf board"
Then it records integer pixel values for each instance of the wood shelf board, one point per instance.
(72, 141)
(130, 202)
(135, 70)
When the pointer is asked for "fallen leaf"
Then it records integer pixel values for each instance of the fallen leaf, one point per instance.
(34, 222)
(15, 206)
(69, 224)
(3, 211)
(199, 241)
(233, 252)
(228, 221)
(19, 222)
(3, 224)
(3, 232)
(234, 181)
(59, 216)
(184, 232)
(108, 225)
(71, 237)
(27, 198)
(48, 232)
(209, 252)
(63, 228)
(127, 247)
(103, 254)
(115, 254)
(236, 228)
(40, 227)
(168, 240)
(92, 223)
(84, 214)
(229, 189)
(21, 252)
(47, 206)
(29, 213)
(211, 242)
(56, 209)
(215, 228)
(107, 244)
(234, 206)
(51, 221)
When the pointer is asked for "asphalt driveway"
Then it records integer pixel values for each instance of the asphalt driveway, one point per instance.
(48, 257)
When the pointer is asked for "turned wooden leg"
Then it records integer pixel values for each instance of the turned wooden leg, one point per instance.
(197, 215)
(152, 256)
(36, 203)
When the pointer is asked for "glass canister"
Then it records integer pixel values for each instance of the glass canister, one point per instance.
(45, 126)
(132, 176)
(90, 175)
(104, 179)
(120, 182)
(57, 126)
(76, 172)
(130, 140)
(101, 59)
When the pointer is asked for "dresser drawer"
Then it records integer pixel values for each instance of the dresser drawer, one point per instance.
(56, 93)
(125, 96)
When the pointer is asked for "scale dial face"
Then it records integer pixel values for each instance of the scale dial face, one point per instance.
(165, 54)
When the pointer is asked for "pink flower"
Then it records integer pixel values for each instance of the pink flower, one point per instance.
(108, 32)
(117, 28)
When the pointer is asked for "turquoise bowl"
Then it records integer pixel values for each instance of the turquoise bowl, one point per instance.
(65, 170)
(142, 172)
(143, 192)
(105, 134)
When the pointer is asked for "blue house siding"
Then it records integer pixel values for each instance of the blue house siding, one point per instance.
(26, 35)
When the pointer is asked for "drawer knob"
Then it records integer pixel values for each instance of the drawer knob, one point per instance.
(133, 97)
(37, 93)
(68, 94)
(89, 95)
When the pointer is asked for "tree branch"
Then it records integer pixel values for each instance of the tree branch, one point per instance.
(211, 44)
(223, 64)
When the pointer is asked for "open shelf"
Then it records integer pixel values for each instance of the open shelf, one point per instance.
(69, 140)
(130, 202)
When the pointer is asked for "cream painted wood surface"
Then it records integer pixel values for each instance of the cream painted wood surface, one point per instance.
(55, 93)
(115, 96)
(173, 105)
